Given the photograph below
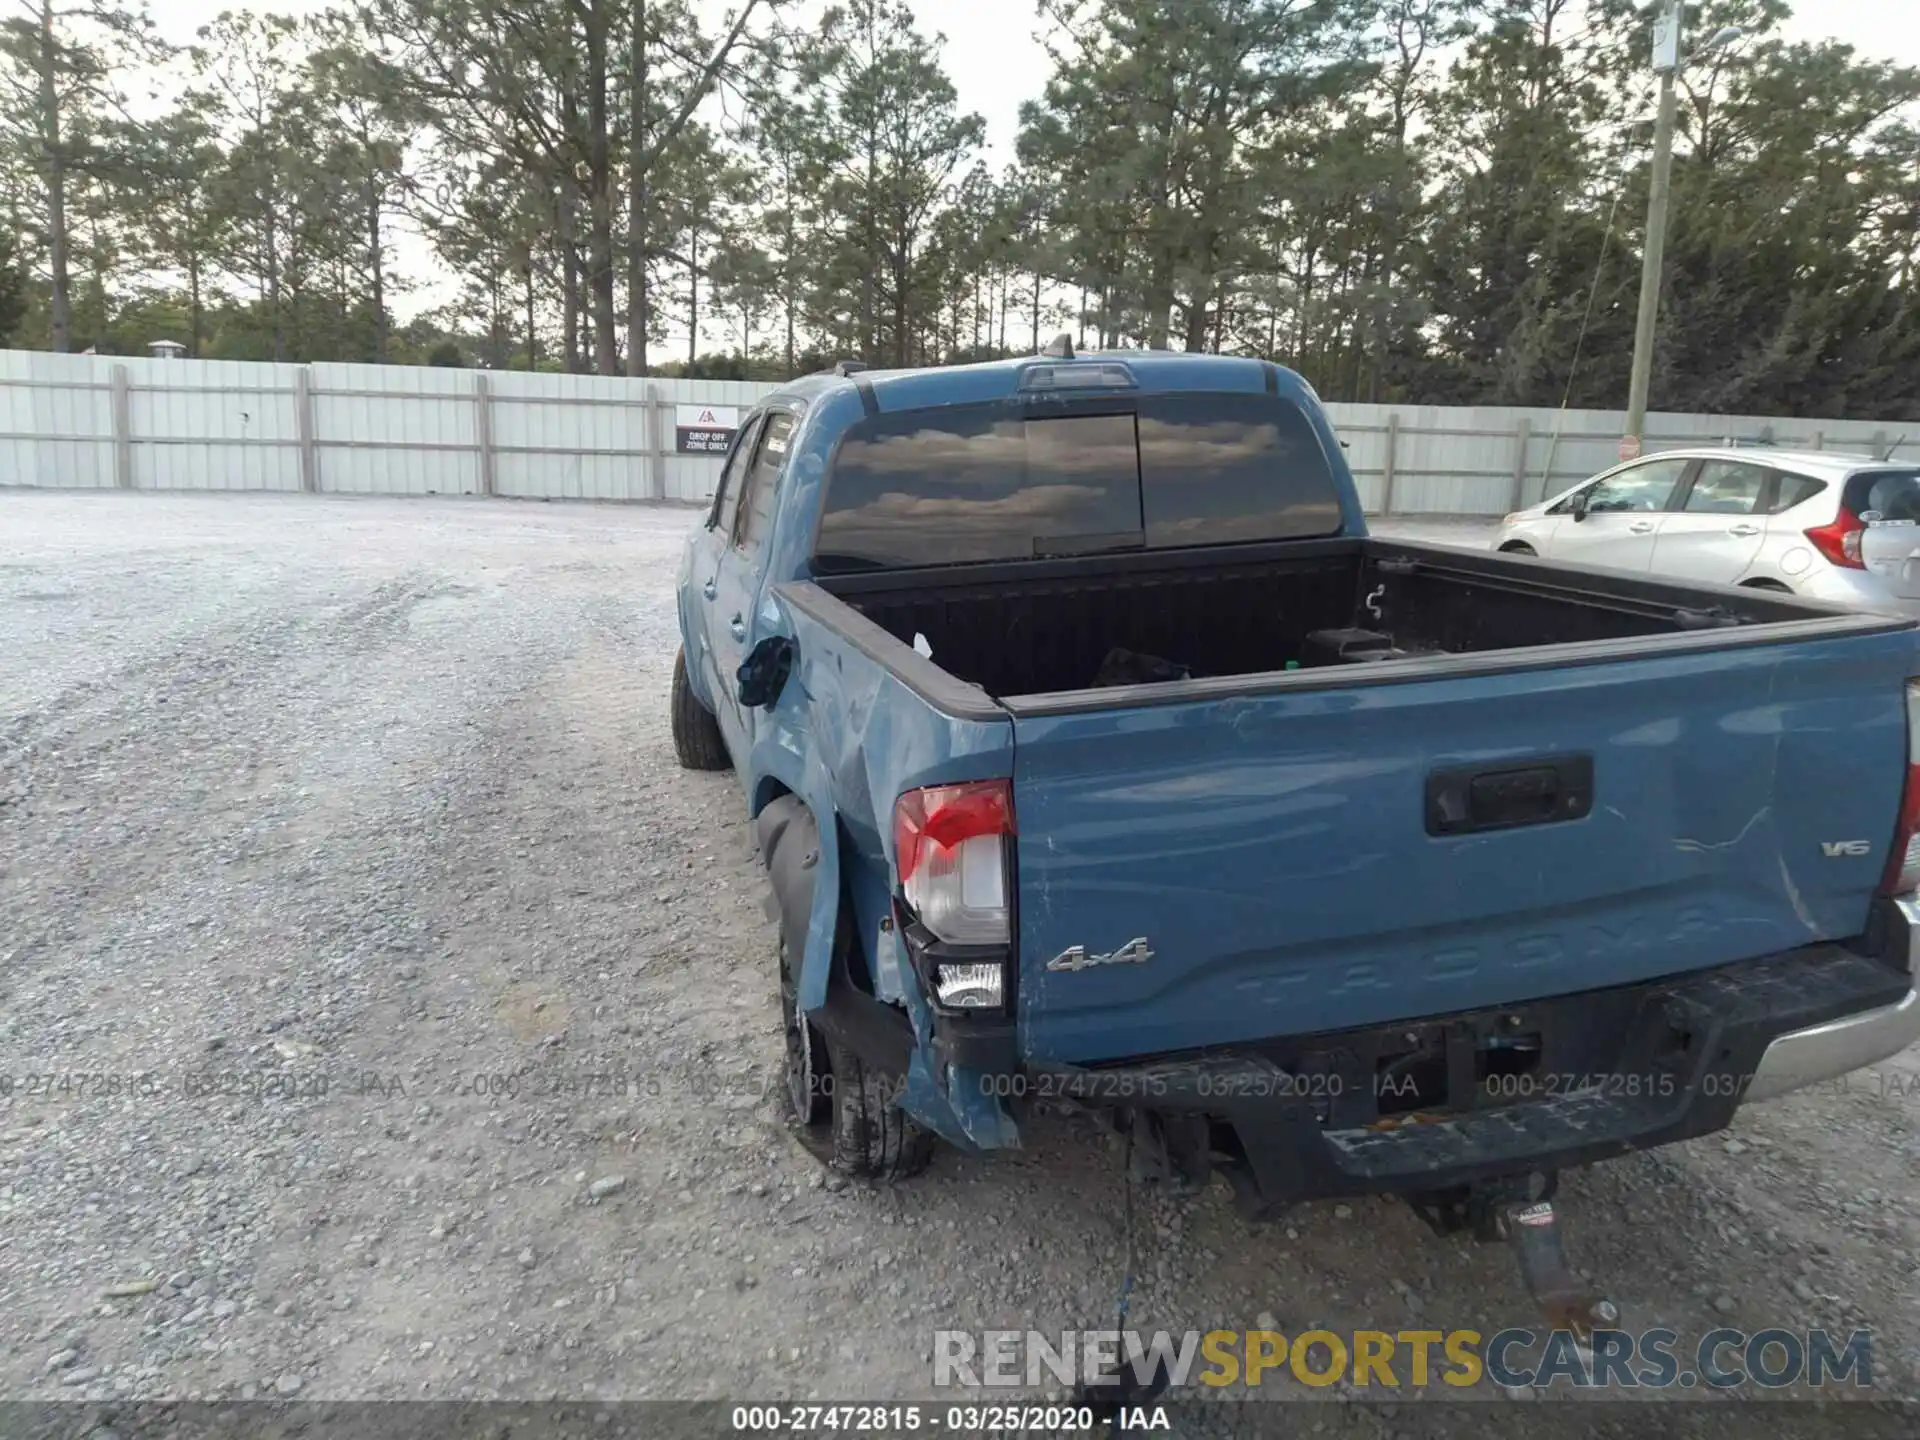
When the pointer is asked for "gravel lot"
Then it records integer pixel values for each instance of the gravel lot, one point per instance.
(413, 1028)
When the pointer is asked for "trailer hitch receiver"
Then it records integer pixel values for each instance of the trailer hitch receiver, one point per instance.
(1521, 1213)
(1533, 1230)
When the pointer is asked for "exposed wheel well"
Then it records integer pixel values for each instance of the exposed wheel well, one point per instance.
(788, 833)
(1518, 547)
(770, 790)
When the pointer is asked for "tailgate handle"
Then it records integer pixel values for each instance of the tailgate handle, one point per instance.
(1536, 792)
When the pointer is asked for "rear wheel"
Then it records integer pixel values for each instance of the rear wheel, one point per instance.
(696, 734)
(809, 1067)
(840, 1110)
(872, 1137)
(1518, 547)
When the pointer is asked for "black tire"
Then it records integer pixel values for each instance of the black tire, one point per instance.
(1519, 547)
(696, 734)
(872, 1137)
(839, 1109)
(809, 1106)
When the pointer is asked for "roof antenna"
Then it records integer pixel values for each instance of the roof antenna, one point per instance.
(1059, 348)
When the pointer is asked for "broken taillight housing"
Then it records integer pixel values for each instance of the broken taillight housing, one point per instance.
(950, 848)
(973, 985)
(1903, 864)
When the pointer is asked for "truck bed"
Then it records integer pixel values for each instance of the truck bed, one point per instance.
(1049, 628)
(1536, 782)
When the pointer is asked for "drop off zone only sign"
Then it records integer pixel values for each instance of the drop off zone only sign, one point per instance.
(704, 429)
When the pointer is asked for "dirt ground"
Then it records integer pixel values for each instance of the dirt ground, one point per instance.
(381, 1003)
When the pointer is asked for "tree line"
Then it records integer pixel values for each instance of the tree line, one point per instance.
(1427, 201)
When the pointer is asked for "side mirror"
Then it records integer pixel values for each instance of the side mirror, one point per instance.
(1579, 506)
(763, 674)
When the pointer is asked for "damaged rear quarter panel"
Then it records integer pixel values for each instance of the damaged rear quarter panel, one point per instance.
(867, 737)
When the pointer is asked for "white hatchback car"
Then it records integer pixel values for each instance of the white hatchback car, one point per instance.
(1837, 528)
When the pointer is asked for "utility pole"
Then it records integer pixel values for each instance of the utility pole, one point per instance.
(1666, 62)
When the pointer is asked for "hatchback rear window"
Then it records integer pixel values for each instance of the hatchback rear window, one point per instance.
(993, 482)
(1885, 495)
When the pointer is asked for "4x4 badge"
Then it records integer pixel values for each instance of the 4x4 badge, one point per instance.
(1075, 957)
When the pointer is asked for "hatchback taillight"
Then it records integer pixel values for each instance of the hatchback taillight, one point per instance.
(950, 847)
(1903, 865)
(1839, 540)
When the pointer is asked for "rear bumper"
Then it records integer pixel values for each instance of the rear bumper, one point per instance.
(1837, 1047)
(1620, 1070)
(1855, 589)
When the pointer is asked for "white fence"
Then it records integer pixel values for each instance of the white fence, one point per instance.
(1489, 459)
(146, 424)
(103, 422)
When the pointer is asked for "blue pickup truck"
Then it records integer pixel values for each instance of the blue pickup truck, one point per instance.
(1096, 752)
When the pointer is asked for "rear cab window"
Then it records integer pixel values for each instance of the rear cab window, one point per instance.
(996, 482)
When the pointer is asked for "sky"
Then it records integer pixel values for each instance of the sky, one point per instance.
(994, 55)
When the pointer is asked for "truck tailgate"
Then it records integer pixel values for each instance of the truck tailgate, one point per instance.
(1272, 851)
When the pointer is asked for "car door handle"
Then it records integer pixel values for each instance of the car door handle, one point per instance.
(709, 590)
(1641, 527)
(1743, 530)
(737, 627)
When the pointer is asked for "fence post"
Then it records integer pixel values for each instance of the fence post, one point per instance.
(122, 396)
(1522, 435)
(483, 430)
(1386, 472)
(656, 442)
(303, 428)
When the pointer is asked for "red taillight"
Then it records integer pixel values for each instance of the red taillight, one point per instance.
(1903, 865)
(949, 845)
(1839, 541)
